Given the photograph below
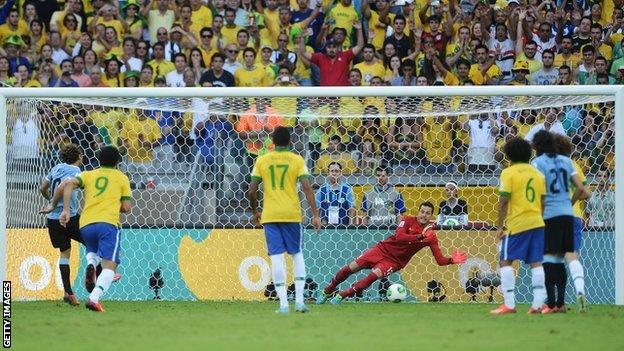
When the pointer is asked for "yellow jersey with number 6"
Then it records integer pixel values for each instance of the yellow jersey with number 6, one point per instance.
(524, 185)
(103, 190)
(279, 171)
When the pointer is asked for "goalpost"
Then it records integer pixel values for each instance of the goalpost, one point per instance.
(190, 221)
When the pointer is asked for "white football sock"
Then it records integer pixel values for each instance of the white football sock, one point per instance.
(93, 258)
(508, 285)
(300, 276)
(278, 267)
(102, 284)
(578, 276)
(539, 287)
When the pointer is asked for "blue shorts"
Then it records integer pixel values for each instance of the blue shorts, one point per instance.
(283, 237)
(578, 231)
(527, 246)
(103, 239)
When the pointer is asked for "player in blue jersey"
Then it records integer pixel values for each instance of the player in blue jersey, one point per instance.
(558, 217)
(61, 236)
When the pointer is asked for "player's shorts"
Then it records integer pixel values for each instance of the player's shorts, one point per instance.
(61, 236)
(527, 246)
(559, 235)
(375, 258)
(283, 237)
(103, 239)
(578, 231)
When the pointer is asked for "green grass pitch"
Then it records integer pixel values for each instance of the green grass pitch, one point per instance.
(170, 325)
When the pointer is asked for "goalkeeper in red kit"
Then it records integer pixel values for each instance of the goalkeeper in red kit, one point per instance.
(391, 255)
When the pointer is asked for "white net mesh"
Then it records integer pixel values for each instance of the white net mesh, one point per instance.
(189, 161)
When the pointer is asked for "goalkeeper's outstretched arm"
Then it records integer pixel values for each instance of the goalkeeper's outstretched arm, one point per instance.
(457, 257)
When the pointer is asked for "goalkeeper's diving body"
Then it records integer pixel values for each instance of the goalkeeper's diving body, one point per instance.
(391, 255)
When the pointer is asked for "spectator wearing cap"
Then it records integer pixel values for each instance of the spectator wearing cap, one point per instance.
(217, 76)
(175, 78)
(12, 46)
(133, 22)
(334, 64)
(485, 71)
(131, 79)
(266, 52)
(158, 63)
(160, 81)
(520, 71)
(161, 17)
(453, 209)
(402, 42)
(548, 74)
(407, 76)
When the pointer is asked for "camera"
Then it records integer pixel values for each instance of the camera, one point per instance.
(285, 79)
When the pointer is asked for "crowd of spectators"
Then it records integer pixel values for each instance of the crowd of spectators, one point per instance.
(252, 43)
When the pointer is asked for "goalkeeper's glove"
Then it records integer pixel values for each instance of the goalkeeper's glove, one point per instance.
(458, 257)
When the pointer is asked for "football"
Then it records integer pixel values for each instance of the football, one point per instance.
(396, 293)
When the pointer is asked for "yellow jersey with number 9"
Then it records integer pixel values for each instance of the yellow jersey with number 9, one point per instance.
(279, 171)
(524, 185)
(103, 190)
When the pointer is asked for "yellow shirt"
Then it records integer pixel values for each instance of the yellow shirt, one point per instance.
(370, 70)
(477, 78)
(113, 82)
(524, 185)
(437, 140)
(578, 211)
(6, 31)
(380, 33)
(301, 71)
(103, 189)
(351, 109)
(202, 17)
(279, 171)
(343, 17)
(606, 51)
(115, 24)
(161, 68)
(573, 61)
(255, 77)
(229, 35)
(112, 121)
(131, 131)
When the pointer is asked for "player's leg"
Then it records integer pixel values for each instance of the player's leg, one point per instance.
(60, 239)
(534, 259)
(108, 249)
(512, 247)
(292, 234)
(276, 249)
(381, 269)
(575, 266)
(552, 240)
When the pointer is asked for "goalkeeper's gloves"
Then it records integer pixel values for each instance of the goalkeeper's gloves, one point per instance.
(458, 257)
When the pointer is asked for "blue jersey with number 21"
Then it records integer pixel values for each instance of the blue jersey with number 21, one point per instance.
(558, 171)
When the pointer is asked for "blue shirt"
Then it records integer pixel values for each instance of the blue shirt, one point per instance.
(335, 201)
(56, 175)
(558, 171)
(207, 137)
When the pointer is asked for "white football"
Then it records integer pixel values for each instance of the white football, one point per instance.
(396, 293)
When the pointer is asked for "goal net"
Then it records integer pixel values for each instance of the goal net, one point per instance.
(189, 152)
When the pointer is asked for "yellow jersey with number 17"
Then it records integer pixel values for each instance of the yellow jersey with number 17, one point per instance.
(103, 190)
(279, 171)
(524, 185)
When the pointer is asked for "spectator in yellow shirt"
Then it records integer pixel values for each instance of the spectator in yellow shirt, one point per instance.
(250, 75)
(139, 135)
(370, 66)
(485, 71)
(159, 64)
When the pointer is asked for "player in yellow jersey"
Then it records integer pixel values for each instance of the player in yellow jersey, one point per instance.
(520, 224)
(106, 192)
(279, 171)
(563, 146)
